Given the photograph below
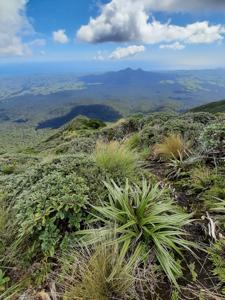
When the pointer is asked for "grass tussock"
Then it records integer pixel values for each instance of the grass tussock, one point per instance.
(173, 146)
(134, 141)
(92, 273)
(116, 159)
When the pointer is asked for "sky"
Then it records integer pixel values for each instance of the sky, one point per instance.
(112, 34)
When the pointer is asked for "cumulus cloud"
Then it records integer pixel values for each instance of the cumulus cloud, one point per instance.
(14, 24)
(60, 36)
(174, 46)
(128, 21)
(126, 52)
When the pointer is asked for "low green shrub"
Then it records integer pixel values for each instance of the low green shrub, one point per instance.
(157, 126)
(77, 145)
(198, 117)
(212, 140)
(50, 211)
(84, 123)
(122, 129)
(81, 164)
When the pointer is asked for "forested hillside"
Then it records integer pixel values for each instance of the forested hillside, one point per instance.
(213, 107)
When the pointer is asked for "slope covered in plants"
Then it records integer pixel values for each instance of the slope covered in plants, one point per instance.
(213, 107)
(130, 210)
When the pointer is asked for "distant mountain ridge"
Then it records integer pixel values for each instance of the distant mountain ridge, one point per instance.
(50, 100)
(128, 76)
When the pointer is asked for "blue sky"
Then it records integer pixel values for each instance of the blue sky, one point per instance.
(152, 34)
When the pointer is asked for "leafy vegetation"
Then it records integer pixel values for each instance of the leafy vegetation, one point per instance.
(212, 139)
(129, 210)
(214, 107)
(48, 213)
(217, 253)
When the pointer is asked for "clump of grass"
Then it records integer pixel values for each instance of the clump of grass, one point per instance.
(144, 218)
(89, 273)
(202, 176)
(116, 159)
(133, 141)
(172, 146)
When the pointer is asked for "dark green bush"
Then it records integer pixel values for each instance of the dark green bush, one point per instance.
(212, 140)
(52, 209)
(122, 129)
(83, 123)
(157, 126)
(77, 145)
(80, 164)
(199, 117)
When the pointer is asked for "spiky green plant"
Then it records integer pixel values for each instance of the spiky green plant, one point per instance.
(177, 167)
(216, 205)
(144, 218)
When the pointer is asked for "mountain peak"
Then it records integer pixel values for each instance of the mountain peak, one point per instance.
(132, 70)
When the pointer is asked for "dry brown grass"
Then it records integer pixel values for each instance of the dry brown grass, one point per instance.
(173, 146)
(94, 274)
(201, 292)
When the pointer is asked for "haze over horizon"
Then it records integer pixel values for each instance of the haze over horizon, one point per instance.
(112, 34)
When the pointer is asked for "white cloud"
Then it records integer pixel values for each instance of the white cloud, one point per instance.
(174, 46)
(13, 26)
(181, 5)
(128, 21)
(126, 52)
(60, 36)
